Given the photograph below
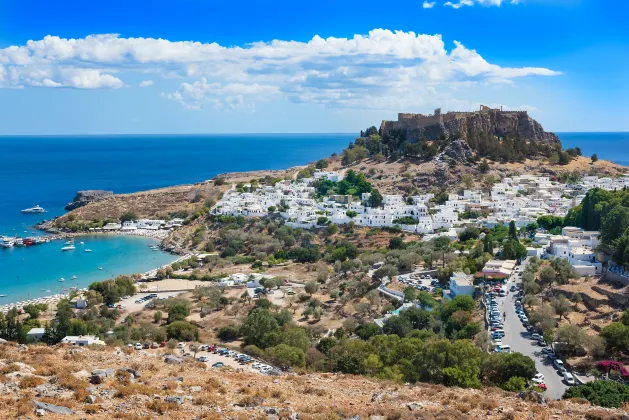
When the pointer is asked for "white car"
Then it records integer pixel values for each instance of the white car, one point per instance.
(538, 378)
(567, 376)
(138, 346)
(524, 318)
(560, 366)
(203, 359)
(181, 345)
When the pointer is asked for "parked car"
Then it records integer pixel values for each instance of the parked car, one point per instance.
(202, 359)
(218, 365)
(138, 346)
(535, 336)
(547, 350)
(541, 342)
(569, 379)
(559, 365)
(551, 356)
(181, 345)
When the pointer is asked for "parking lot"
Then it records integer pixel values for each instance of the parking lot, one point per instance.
(129, 304)
(520, 340)
(211, 358)
(419, 281)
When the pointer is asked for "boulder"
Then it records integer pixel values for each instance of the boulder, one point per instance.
(172, 360)
(532, 396)
(133, 372)
(51, 408)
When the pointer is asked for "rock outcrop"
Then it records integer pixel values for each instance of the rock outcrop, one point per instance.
(487, 121)
(83, 198)
(459, 151)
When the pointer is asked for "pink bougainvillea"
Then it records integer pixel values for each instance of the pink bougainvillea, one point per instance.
(609, 365)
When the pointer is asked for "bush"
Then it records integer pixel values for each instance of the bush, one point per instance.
(228, 333)
(514, 384)
(182, 330)
(603, 393)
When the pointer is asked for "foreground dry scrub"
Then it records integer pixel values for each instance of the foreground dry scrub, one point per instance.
(61, 376)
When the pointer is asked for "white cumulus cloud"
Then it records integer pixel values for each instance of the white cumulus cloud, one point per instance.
(428, 4)
(146, 83)
(381, 70)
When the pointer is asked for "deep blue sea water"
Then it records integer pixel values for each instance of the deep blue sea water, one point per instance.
(608, 146)
(49, 171)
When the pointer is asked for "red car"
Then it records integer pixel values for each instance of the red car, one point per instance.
(542, 387)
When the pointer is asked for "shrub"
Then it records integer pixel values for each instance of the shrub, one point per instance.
(602, 393)
(182, 330)
(31, 382)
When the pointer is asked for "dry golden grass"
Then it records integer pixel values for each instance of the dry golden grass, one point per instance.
(123, 391)
(31, 381)
(162, 407)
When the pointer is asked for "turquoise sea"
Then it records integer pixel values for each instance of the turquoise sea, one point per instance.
(49, 170)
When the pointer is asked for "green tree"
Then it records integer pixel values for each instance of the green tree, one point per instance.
(178, 310)
(182, 330)
(285, 356)
(375, 199)
(157, 316)
(616, 336)
(259, 323)
(128, 216)
(562, 306)
(311, 287)
(513, 231)
(594, 158)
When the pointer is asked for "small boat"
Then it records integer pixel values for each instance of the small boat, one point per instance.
(70, 242)
(62, 279)
(7, 242)
(88, 250)
(1, 296)
(68, 248)
(100, 268)
(73, 277)
(81, 243)
(36, 209)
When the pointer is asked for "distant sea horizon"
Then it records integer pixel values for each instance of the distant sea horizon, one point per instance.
(37, 171)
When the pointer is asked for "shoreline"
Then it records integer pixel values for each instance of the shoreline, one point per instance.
(53, 299)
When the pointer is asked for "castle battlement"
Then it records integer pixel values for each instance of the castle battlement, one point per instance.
(423, 120)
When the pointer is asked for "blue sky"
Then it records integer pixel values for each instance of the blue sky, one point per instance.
(216, 66)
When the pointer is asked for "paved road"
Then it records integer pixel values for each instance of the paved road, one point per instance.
(519, 340)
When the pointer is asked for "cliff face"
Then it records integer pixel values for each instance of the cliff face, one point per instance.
(83, 198)
(490, 122)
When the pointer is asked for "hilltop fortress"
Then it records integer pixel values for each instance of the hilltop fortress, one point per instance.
(485, 121)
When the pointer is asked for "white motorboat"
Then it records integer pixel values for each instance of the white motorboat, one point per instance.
(1, 296)
(7, 242)
(100, 268)
(70, 242)
(88, 250)
(68, 248)
(36, 209)
(62, 279)
(81, 243)
(73, 277)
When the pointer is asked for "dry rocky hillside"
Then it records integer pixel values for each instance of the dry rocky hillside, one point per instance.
(70, 382)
